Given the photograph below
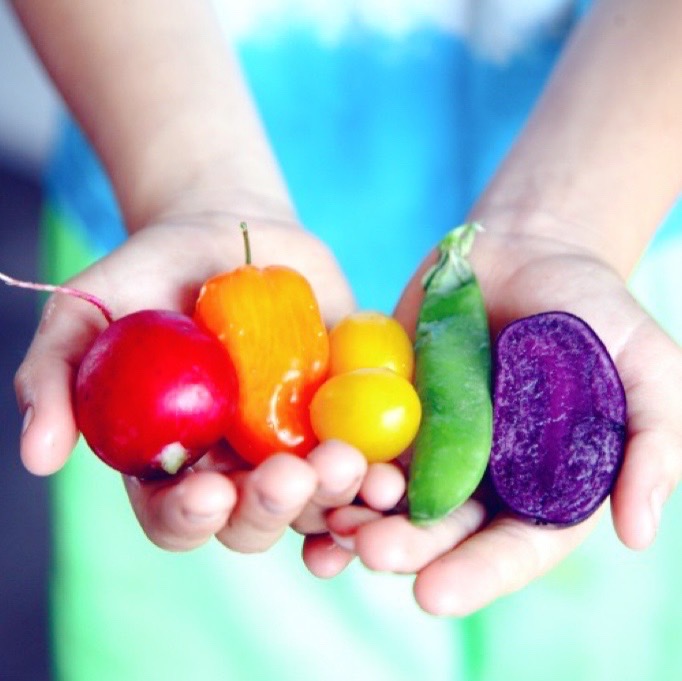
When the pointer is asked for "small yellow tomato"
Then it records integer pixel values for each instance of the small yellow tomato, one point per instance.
(375, 410)
(370, 339)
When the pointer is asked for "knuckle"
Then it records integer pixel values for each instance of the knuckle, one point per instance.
(24, 380)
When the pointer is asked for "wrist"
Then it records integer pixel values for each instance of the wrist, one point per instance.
(183, 171)
(220, 198)
(556, 221)
(520, 238)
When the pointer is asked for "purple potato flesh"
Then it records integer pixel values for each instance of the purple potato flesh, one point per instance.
(559, 419)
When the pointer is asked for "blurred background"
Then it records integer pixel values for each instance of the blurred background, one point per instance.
(28, 108)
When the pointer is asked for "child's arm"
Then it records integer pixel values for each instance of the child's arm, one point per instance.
(157, 90)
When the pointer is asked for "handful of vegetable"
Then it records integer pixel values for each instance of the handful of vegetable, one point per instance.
(555, 440)
(256, 366)
(154, 391)
(157, 389)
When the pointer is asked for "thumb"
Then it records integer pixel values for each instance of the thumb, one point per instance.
(44, 381)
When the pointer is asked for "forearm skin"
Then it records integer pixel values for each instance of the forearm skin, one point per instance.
(159, 93)
(599, 163)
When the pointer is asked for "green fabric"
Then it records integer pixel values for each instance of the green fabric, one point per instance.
(124, 609)
(62, 254)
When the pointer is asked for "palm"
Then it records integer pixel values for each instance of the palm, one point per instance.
(164, 265)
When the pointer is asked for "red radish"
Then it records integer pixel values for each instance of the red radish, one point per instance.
(154, 392)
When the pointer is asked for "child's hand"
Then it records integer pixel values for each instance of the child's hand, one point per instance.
(163, 266)
(479, 553)
(248, 510)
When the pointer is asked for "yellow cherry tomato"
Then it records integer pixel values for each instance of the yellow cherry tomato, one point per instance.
(375, 410)
(370, 339)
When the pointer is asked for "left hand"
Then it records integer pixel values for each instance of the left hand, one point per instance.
(162, 266)
(480, 552)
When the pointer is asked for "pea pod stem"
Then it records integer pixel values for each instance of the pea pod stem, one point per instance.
(452, 270)
(453, 380)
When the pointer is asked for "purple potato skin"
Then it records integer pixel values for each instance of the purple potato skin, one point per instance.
(559, 419)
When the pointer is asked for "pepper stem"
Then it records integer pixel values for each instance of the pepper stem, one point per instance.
(49, 288)
(247, 243)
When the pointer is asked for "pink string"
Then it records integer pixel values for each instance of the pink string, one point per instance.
(49, 288)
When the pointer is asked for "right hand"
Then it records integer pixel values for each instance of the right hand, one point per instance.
(480, 551)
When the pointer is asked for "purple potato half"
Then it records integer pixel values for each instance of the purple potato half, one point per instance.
(559, 422)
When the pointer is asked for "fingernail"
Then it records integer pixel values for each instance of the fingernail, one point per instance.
(28, 417)
(346, 542)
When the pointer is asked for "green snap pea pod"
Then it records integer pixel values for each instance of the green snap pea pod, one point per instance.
(453, 380)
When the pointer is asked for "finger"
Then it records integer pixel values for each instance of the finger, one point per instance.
(184, 513)
(649, 474)
(271, 497)
(395, 544)
(44, 379)
(49, 431)
(340, 469)
(500, 559)
(324, 557)
(383, 487)
(653, 462)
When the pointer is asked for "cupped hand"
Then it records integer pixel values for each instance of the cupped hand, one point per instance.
(480, 552)
(163, 266)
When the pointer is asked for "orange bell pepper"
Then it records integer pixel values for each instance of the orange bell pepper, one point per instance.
(269, 321)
